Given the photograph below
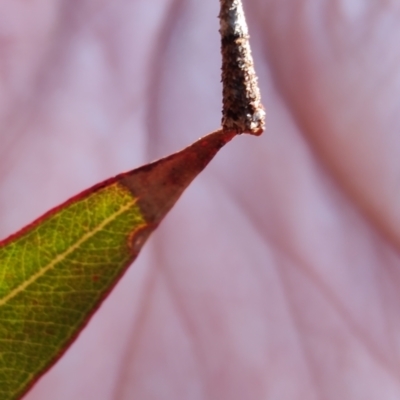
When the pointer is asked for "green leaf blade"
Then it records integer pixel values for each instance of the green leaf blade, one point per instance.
(55, 273)
(51, 282)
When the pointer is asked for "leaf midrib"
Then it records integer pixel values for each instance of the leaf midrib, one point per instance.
(61, 257)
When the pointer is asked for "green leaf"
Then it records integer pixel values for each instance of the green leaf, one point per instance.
(56, 272)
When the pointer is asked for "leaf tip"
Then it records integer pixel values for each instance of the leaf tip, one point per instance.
(158, 185)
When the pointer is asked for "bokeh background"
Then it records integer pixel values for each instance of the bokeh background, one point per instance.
(276, 276)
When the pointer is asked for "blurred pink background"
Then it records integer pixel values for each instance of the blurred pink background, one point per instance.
(276, 276)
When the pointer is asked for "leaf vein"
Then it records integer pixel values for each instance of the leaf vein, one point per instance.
(60, 257)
